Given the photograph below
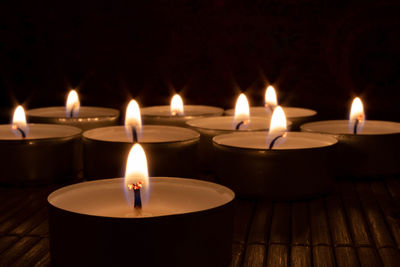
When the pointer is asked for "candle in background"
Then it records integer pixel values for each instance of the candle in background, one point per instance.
(74, 114)
(367, 148)
(184, 221)
(296, 115)
(33, 154)
(277, 165)
(176, 114)
(171, 150)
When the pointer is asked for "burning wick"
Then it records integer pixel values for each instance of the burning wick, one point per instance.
(358, 119)
(19, 130)
(271, 145)
(270, 107)
(134, 135)
(240, 124)
(72, 110)
(136, 192)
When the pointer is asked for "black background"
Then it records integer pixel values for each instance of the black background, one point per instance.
(319, 54)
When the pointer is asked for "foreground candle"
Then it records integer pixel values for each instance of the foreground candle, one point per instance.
(75, 115)
(177, 114)
(181, 222)
(367, 148)
(38, 153)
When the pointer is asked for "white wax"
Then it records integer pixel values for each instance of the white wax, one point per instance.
(370, 127)
(168, 196)
(150, 134)
(226, 123)
(257, 140)
(39, 131)
(290, 112)
(189, 110)
(94, 113)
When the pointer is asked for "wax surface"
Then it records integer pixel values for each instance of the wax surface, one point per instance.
(84, 112)
(39, 131)
(290, 112)
(168, 196)
(150, 134)
(257, 140)
(226, 123)
(370, 127)
(189, 110)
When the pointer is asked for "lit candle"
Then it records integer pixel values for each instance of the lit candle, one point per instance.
(276, 165)
(176, 113)
(171, 150)
(37, 153)
(213, 126)
(74, 114)
(367, 148)
(295, 114)
(101, 223)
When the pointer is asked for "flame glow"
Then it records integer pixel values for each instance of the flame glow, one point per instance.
(19, 122)
(278, 126)
(177, 106)
(242, 110)
(136, 173)
(357, 115)
(72, 105)
(270, 97)
(133, 119)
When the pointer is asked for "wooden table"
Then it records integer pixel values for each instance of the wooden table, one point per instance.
(356, 225)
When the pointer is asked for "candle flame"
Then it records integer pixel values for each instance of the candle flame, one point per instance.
(133, 120)
(242, 110)
(278, 126)
(73, 104)
(270, 98)
(357, 115)
(19, 125)
(177, 106)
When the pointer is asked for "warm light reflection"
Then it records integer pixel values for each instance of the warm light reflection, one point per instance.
(133, 120)
(136, 173)
(242, 111)
(177, 106)
(19, 125)
(278, 127)
(72, 105)
(357, 116)
(270, 98)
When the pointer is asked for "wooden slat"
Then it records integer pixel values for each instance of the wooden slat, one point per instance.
(278, 255)
(300, 224)
(337, 222)
(389, 209)
(260, 225)
(368, 257)
(319, 225)
(393, 186)
(6, 242)
(34, 255)
(390, 257)
(31, 222)
(346, 256)
(44, 261)
(280, 226)
(377, 225)
(255, 255)
(9, 256)
(355, 218)
(243, 213)
(300, 256)
(42, 229)
(323, 256)
(237, 254)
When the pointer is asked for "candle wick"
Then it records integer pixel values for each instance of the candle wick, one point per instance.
(356, 126)
(136, 193)
(270, 107)
(271, 145)
(240, 124)
(21, 131)
(134, 135)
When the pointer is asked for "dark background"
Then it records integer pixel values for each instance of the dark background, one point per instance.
(319, 54)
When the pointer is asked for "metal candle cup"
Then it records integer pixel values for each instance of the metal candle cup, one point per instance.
(162, 114)
(185, 222)
(372, 152)
(48, 154)
(297, 169)
(88, 118)
(171, 151)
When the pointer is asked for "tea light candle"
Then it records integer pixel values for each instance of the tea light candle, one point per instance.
(296, 166)
(185, 222)
(37, 153)
(75, 115)
(367, 148)
(177, 114)
(296, 115)
(172, 150)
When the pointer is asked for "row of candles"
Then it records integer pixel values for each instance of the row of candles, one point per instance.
(252, 153)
